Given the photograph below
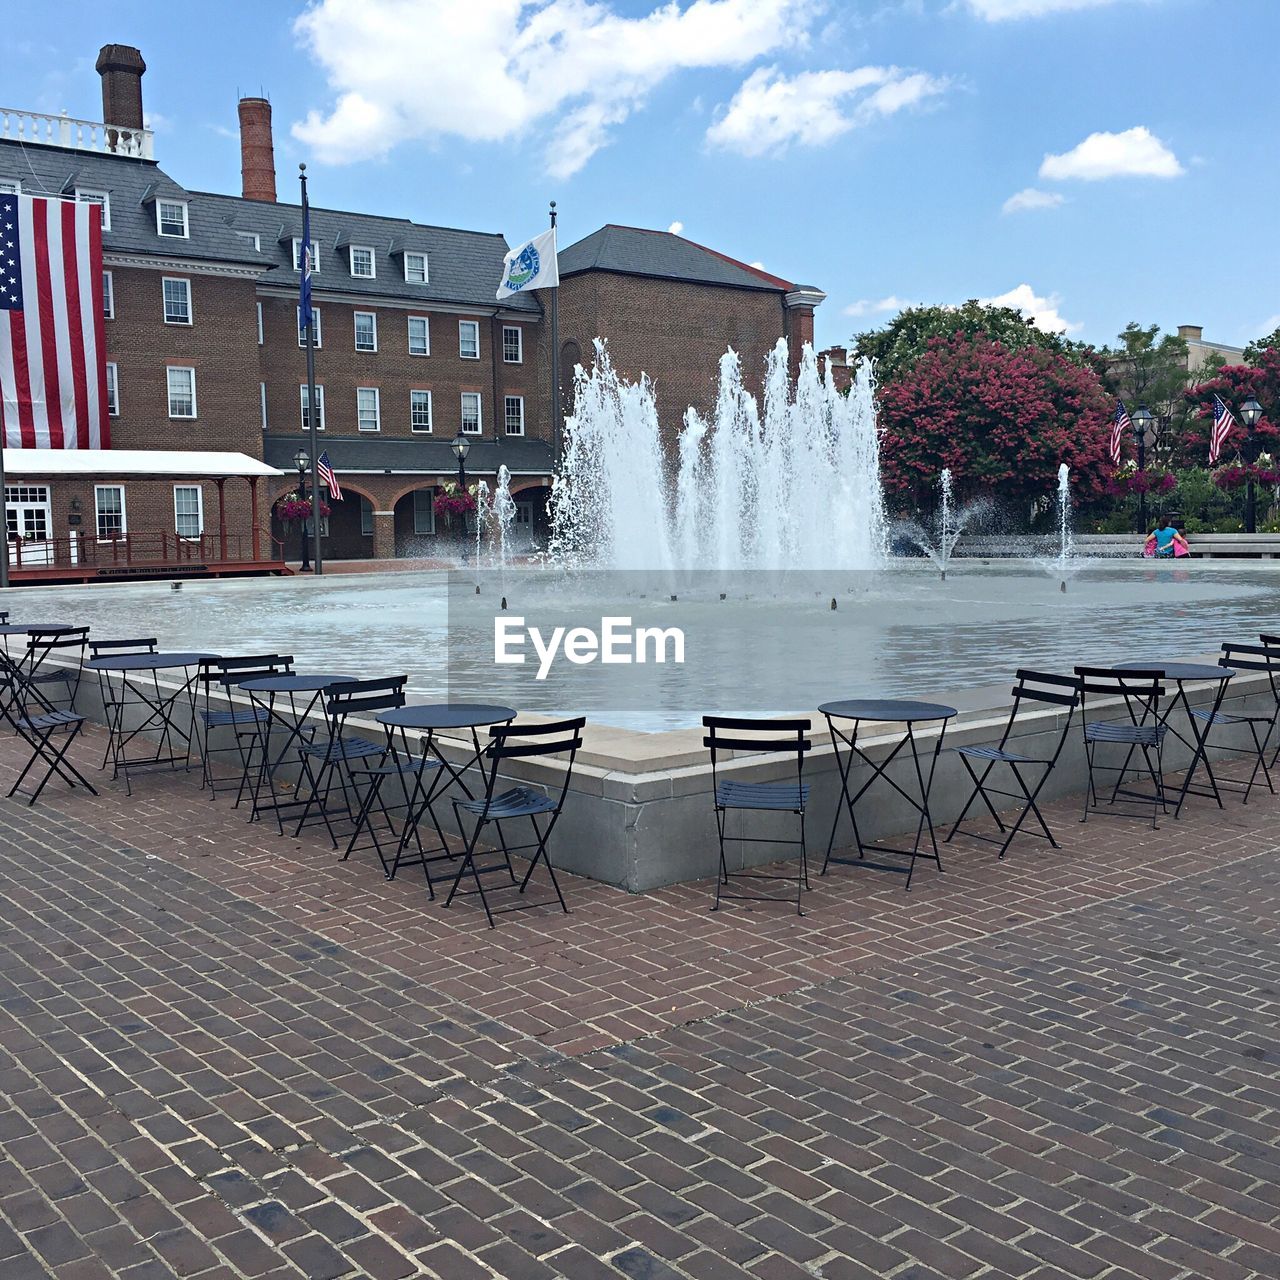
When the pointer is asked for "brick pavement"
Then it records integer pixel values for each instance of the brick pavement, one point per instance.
(229, 1055)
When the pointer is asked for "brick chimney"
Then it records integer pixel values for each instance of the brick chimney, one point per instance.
(257, 151)
(121, 68)
(1191, 332)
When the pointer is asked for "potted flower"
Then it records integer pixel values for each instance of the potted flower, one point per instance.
(294, 508)
(452, 502)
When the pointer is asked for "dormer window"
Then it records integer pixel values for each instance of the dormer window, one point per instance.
(171, 218)
(251, 238)
(297, 255)
(362, 262)
(102, 198)
(415, 268)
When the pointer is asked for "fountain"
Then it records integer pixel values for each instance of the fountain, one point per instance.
(949, 524)
(1066, 543)
(795, 487)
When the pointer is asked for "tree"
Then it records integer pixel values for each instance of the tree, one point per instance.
(1235, 383)
(1147, 368)
(902, 342)
(1001, 419)
(1253, 352)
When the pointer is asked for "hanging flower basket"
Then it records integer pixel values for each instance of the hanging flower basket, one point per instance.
(293, 508)
(1237, 474)
(1131, 480)
(452, 503)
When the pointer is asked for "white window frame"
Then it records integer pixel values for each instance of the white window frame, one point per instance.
(259, 324)
(168, 386)
(252, 237)
(474, 326)
(372, 273)
(302, 333)
(506, 421)
(199, 492)
(426, 267)
(361, 394)
(108, 296)
(185, 233)
(164, 300)
(113, 390)
(297, 255)
(478, 429)
(430, 427)
(426, 330)
(98, 491)
(373, 315)
(93, 195)
(431, 511)
(519, 332)
(302, 405)
(365, 506)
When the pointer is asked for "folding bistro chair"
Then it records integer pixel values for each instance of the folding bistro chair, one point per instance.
(1033, 687)
(219, 677)
(338, 772)
(106, 690)
(517, 742)
(757, 737)
(1140, 731)
(39, 731)
(62, 643)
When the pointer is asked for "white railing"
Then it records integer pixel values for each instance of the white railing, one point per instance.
(79, 135)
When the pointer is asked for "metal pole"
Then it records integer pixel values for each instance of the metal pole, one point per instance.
(1142, 493)
(557, 403)
(302, 525)
(313, 409)
(1250, 507)
(4, 514)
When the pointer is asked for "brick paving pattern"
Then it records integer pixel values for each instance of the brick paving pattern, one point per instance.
(226, 1054)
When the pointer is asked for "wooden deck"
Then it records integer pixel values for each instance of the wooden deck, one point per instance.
(140, 556)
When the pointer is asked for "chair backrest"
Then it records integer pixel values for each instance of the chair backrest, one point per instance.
(525, 741)
(356, 697)
(100, 648)
(59, 638)
(231, 671)
(752, 735)
(1255, 657)
(1047, 688)
(1139, 690)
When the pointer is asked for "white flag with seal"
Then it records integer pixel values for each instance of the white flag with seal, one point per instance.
(531, 265)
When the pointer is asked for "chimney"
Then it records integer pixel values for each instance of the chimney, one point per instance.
(257, 152)
(1190, 332)
(121, 67)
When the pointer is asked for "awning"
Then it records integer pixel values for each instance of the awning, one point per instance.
(153, 463)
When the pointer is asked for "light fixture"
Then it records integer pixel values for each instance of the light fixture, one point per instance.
(461, 446)
(1142, 426)
(302, 460)
(1250, 413)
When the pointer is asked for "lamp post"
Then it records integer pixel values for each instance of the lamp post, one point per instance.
(302, 460)
(1250, 413)
(461, 447)
(1144, 434)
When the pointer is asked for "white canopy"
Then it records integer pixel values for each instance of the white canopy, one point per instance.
(132, 462)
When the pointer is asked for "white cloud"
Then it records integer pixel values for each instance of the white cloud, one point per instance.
(877, 306)
(1136, 152)
(1004, 10)
(771, 111)
(493, 70)
(676, 227)
(1044, 310)
(1031, 198)
(759, 266)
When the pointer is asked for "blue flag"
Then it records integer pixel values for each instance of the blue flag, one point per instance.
(304, 286)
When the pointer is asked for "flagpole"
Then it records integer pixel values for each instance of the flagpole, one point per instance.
(313, 408)
(4, 513)
(557, 403)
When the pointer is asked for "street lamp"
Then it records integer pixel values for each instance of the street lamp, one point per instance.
(461, 447)
(302, 460)
(1250, 414)
(1144, 433)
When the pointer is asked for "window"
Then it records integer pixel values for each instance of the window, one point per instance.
(471, 413)
(366, 331)
(419, 410)
(368, 417)
(251, 238)
(512, 344)
(177, 300)
(113, 393)
(297, 255)
(259, 324)
(318, 329)
(262, 395)
(424, 511)
(419, 336)
(362, 262)
(188, 510)
(182, 392)
(469, 339)
(415, 268)
(366, 517)
(108, 297)
(171, 218)
(12, 187)
(306, 424)
(108, 503)
(513, 415)
(100, 198)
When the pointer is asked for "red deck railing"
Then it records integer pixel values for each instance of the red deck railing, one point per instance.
(132, 549)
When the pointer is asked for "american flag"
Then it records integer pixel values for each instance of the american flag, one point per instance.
(1223, 421)
(325, 472)
(53, 367)
(1119, 425)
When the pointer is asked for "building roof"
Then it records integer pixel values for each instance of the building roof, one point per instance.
(636, 251)
(523, 455)
(133, 462)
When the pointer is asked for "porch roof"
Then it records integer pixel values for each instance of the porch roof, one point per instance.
(153, 463)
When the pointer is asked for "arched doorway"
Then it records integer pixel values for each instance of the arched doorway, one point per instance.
(345, 534)
(417, 534)
(532, 526)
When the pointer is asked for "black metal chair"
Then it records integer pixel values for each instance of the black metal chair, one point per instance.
(107, 690)
(1140, 730)
(752, 736)
(1047, 690)
(217, 678)
(38, 730)
(331, 760)
(64, 644)
(517, 742)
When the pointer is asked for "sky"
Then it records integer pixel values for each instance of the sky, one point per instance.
(1094, 161)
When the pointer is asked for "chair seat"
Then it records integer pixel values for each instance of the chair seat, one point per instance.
(1225, 717)
(1134, 735)
(51, 720)
(388, 769)
(519, 802)
(996, 753)
(238, 715)
(788, 797)
(49, 677)
(343, 749)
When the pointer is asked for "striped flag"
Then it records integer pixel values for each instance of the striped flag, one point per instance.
(304, 281)
(1223, 421)
(1119, 425)
(325, 472)
(53, 367)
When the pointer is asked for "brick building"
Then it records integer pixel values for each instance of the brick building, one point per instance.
(200, 297)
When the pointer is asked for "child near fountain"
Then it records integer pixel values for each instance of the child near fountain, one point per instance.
(1165, 542)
